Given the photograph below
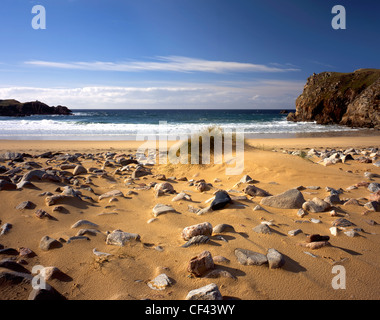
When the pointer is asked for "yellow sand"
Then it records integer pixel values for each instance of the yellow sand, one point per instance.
(124, 275)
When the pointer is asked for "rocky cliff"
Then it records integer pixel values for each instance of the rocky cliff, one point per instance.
(14, 108)
(351, 99)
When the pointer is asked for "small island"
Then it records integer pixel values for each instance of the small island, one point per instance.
(14, 108)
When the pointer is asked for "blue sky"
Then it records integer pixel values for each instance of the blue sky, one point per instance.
(179, 53)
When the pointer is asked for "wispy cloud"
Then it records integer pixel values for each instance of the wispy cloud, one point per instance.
(257, 94)
(169, 63)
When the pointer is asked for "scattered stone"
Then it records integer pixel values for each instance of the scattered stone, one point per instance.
(314, 245)
(316, 205)
(275, 259)
(111, 194)
(204, 210)
(223, 228)
(6, 185)
(317, 237)
(247, 179)
(342, 222)
(200, 264)
(351, 201)
(248, 257)
(301, 213)
(333, 199)
(79, 169)
(5, 228)
(294, 232)
(258, 207)
(221, 200)
(100, 254)
(209, 292)
(91, 232)
(290, 199)
(334, 231)
(374, 196)
(204, 228)
(40, 214)
(162, 208)
(218, 273)
(313, 220)
(254, 191)
(196, 240)
(54, 199)
(351, 233)
(80, 223)
(180, 196)
(9, 251)
(25, 205)
(374, 187)
(120, 238)
(47, 243)
(372, 206)
(164, 187)
(161, 282)
(262, 228)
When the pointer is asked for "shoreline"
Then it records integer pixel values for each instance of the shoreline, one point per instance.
(305, 141)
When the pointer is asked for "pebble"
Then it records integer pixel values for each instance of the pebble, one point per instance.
(254, 191)
(47, 243)
(91, 232)
(100, 254)
(262, 228)
(204, 228)
(223, 227)
(275, 259)
(201, 263)
(342, 222)
(313, 220)
(180, 196)
(294, 232)
(248, 257)
(290, 199)
(162, 208)
(208, 292)
(351, 233)
(40, 213)
(334, 231)
(196, 240)
(111, 194)
(25, 205)
(316, 205)
(80, 223)
(120, 238)
(5, 228)
(314, 245)
(161, 282)
(222, 199)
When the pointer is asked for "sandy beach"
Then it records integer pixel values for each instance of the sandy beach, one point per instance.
(129, 270)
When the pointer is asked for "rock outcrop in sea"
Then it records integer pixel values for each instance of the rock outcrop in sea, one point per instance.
(14, 108)
(350, 99)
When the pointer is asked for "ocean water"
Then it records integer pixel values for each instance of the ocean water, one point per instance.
(126, 124)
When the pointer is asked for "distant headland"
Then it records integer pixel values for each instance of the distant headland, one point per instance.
(14, 108)
(350, 99)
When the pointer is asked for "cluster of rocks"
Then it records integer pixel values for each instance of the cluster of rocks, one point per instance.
(72, 178)
(329, 157)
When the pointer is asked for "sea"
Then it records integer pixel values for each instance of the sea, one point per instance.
(106, 124)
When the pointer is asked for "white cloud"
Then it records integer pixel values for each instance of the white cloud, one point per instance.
(170, 63)
(259, 94)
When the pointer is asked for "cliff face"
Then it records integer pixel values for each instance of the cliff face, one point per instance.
(14, 108)
(351, 99)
